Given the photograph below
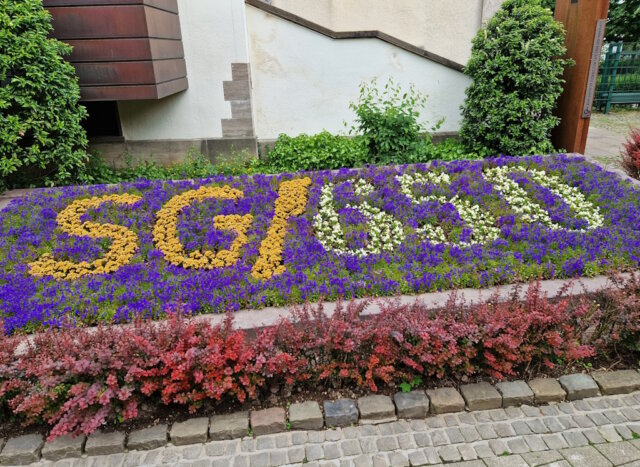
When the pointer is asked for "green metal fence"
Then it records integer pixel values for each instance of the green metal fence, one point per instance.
(619, 78)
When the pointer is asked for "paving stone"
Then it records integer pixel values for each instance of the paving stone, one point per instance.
(422, 439)
(535, 442)
(617, 382)
(504, 429)
(335, 434)
(368, 445)
(521, 427)
(314, 452)
(445, 400)
(610, 434)
(417, 458)
(268, 421)
(192, 431)
(368, 430)
(546, 390)
(531, 411)
(470, 434)
(578, 386)
(398, 459)
(451, 420)
(414, 404)
(63, 447)
(260, 459)
(553, 424)
(331, 451)
(582, 405)
(449, 454)
(513, 412)
(437, 422)
(467, 452)
(515, 393)
(387, 443)
(481, 396)
(483, 450)
(619, 453)
(593, 436)
(455, 435)
(534, 459)
(235, 425)
(296, 454)
(148, 438)
(439, 438)
(22, 450)
(498, 415)
(498, 447)
(614, 416)
(575, 439)
(102, 444)
(585, 456)
(549, 410)
(585, 421)
(625, 432)
(537, 426)
(376, 409)
(342, 412)
(405, 440)
(517, 446)
(486, 431)
(554, 441)
(350, 447)
(506, 461)
(306, 416)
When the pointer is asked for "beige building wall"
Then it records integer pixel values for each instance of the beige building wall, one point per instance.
(444, 27)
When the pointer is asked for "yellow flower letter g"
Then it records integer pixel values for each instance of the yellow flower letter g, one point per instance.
(123, 246)
(165, 232)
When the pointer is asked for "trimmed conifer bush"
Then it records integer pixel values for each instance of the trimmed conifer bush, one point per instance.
(41, 139)
(516, 66)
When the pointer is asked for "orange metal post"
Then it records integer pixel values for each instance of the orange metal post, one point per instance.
(580, 19)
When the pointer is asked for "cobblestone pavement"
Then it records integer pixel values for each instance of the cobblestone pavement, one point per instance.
(599, 431)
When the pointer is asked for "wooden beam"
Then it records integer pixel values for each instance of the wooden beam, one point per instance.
(580, 19)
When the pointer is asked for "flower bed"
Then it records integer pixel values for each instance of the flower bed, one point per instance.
(110, 253)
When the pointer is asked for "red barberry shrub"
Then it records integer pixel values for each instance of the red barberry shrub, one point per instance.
(519, 337)
(336, 350)
(77, 380)
(617, 326)
(630, 154)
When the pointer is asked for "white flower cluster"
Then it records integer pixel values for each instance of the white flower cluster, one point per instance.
(482, 223)
(517, 197)
(532, 211)
(385, 232)
(571, 195)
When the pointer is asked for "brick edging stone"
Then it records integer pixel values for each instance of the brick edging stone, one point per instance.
(372, 409)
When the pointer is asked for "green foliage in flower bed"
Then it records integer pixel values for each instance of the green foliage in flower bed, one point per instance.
(516, 67)
(315, 152)
(41, 140)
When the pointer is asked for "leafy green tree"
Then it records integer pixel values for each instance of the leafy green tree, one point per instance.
(516, 68)
(41, 139)
(624, 20)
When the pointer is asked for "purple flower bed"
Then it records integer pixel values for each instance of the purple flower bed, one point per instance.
(409, 261)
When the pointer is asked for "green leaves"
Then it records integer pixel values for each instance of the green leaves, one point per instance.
(517, 78)
(41, 139)
(388, 119)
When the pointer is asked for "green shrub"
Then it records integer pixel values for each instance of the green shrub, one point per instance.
(41, 140)
(315, 152)
(516, 70)
(388, 119)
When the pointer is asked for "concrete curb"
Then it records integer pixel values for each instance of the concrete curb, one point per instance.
(376, 409)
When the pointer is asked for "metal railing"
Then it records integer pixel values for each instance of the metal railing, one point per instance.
(619, 78)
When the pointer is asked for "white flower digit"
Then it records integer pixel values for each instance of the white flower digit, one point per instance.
(385, 231)
(482, 223)
(532, 211)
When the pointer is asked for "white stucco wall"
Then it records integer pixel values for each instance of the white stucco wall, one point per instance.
(214, 36)
(444, 27)
(303, 81)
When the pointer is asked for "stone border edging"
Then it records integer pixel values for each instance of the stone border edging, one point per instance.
(371, 409)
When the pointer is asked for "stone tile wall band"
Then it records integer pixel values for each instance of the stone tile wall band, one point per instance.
(496, 424)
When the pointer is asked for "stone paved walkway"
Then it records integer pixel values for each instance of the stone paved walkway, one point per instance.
(599, 431)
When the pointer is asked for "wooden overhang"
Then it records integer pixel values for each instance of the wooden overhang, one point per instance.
(122, 49)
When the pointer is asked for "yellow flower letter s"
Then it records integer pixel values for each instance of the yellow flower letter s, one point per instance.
(124, 241)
